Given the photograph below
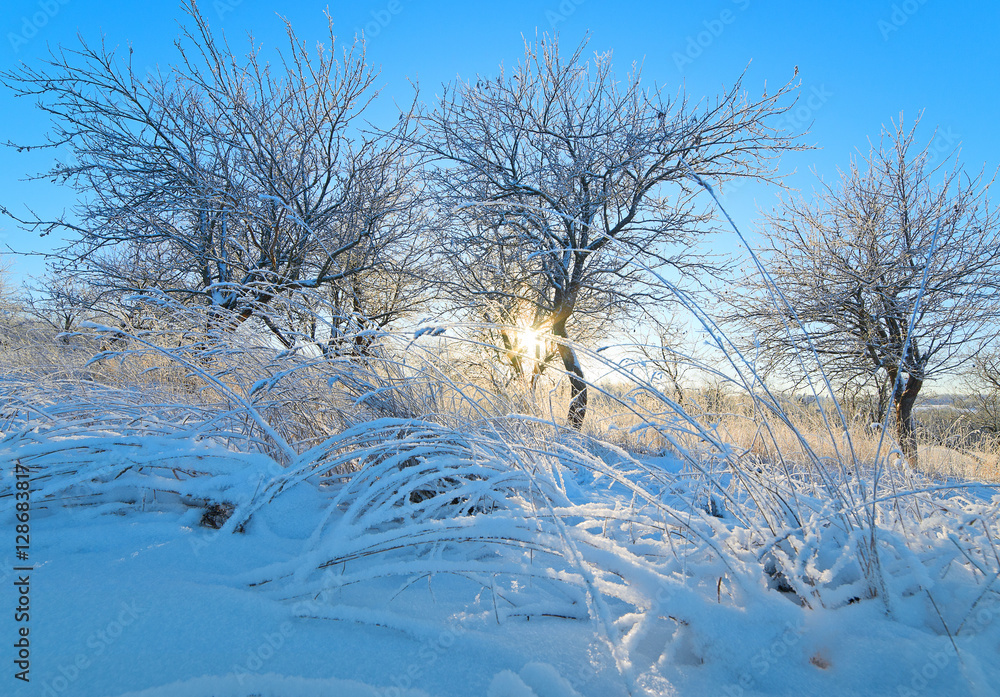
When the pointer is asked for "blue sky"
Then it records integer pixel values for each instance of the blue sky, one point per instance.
(860, 63)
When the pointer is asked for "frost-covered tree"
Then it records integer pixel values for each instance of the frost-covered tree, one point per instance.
(60, 302)
(893, 271)
(225, 181)
(5, 289)
(982, 389)
(556, 175)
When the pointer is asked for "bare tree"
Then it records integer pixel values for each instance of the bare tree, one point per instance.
(892, 272)
(60, 302)
(555, 175)
(8, 308)
(362, 304)
(982, 383)
(230, 180)
(673, 359)
(5, 289)
(490, 284)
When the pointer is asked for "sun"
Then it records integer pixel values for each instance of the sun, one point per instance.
(533, 343)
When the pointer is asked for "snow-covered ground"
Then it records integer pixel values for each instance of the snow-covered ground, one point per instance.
(401, 558)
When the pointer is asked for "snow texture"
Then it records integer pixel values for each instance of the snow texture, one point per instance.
(405, 558)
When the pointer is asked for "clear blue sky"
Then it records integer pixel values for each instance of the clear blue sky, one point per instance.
(863, 62)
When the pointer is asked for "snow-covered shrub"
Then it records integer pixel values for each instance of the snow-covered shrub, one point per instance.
(412, 485)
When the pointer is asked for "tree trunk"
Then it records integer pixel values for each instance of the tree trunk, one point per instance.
(906, 430)
(577, 383)
(511, 349)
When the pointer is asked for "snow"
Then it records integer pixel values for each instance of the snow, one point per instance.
(404, 558)
(431, 331)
